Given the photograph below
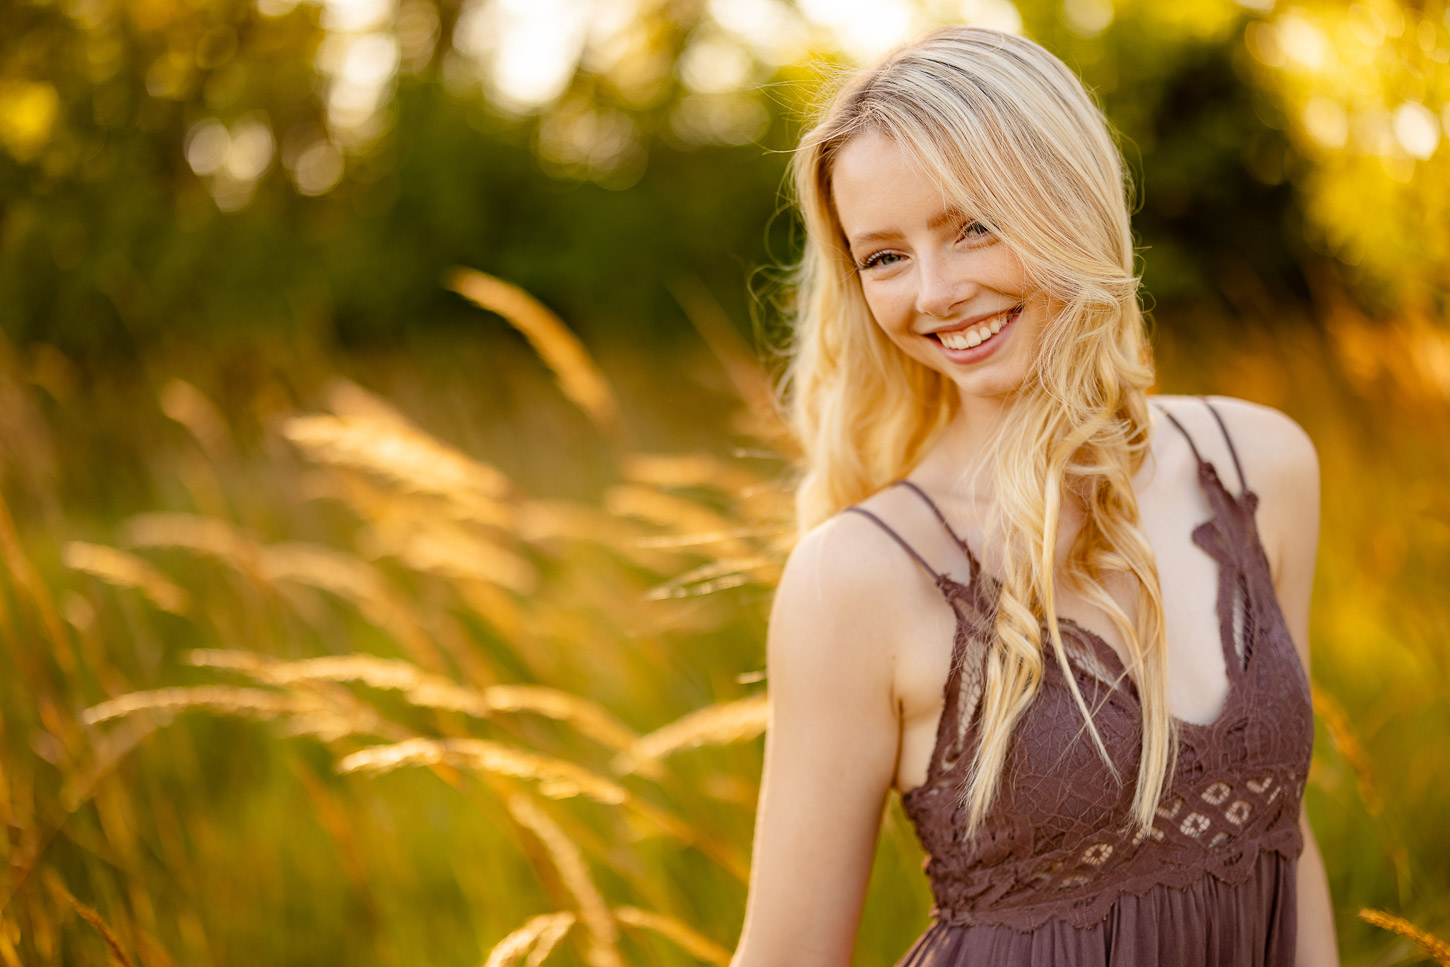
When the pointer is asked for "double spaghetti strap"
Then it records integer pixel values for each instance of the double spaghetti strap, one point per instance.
(903, 482)
(939, 578)
(900, 540)
(974, 566)
(1243, 482)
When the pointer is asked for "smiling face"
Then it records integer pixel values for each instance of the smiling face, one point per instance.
(936, 281)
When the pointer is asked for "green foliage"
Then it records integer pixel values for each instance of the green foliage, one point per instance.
(194, 172)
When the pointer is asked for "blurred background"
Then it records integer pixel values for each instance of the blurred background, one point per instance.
(392, 498)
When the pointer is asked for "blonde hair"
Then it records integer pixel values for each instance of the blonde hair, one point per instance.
(1016, 141)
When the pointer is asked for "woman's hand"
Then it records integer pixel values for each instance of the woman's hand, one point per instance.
(830, 751)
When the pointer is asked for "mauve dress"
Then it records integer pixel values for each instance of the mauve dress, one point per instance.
(1055, 877)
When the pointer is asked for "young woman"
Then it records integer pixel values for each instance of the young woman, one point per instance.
(1046, 607)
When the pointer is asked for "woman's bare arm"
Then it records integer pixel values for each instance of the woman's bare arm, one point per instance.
(1291, 494)
(1316, 943)
(830, 751)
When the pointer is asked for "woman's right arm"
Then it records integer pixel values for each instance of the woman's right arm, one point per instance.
(830, 753)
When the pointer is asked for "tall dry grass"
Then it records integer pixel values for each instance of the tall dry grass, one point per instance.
(339, 690)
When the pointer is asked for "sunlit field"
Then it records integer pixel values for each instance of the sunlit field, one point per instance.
(392, 491)
(362, 670)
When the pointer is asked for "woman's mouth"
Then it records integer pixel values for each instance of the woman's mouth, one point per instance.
(982, 334)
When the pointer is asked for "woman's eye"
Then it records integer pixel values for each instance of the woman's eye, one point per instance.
(975, 230)
(878, 258)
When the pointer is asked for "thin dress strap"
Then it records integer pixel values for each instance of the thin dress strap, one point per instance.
(972, 562)
(903, 482)
(1243, 481)
(1229, 440)
(898, 538)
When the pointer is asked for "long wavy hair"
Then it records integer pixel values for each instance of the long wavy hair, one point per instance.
(1018, 143)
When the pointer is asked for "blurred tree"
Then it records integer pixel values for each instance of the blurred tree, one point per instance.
(196, 171)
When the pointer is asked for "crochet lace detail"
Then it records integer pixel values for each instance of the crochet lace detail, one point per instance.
(1056, 843)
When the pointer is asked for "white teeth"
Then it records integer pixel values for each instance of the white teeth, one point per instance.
(967, 338)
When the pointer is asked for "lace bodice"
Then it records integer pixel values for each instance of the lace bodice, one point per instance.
(1056, 843)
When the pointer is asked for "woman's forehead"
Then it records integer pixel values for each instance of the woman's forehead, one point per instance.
(878, 187)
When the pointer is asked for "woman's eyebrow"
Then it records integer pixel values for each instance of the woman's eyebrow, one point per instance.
(874, 236)
(937, 221)
(942, 218)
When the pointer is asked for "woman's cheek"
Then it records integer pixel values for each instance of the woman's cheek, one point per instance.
(888, 302)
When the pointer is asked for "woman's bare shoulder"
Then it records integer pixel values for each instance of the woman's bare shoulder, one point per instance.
(839, 571)
(1280, 465)
(1271, 445)
(1268, 441)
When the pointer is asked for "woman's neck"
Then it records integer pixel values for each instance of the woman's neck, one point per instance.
(965, 453)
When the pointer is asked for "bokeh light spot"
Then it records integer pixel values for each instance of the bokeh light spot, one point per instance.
(1088, 17)
(318, 169)
(1303, 42)
(28, 111)
(1416, 129)
(865, 29)
(206, 146)
(1326, 122)
(714, 65)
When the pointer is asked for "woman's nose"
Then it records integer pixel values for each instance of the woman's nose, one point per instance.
(940, 286)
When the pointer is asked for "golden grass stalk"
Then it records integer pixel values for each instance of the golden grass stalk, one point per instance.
(538, 934)
(689, 940)
(209, 536)
(354, 581)
(393, 523)
(546, 520)
(718, 724)
(298, 714)
(557, 778)
(114, 950)
(1336, 721)
(189, 406)
(540, 520)
(549, 939)
(427, 690)
(383, 507)
(123, 570)
(346, 398)
(333, 571)
(679, 514)
(1436, 948)
(588, 717)
(688, 470)
(708, 537)
(665, 591)
(329, 726)
(386, 673)
(226, 699)
(407, 458)
(449, 552)
(110, 749)
(716, 576)
(578, 376)
(603, 948)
